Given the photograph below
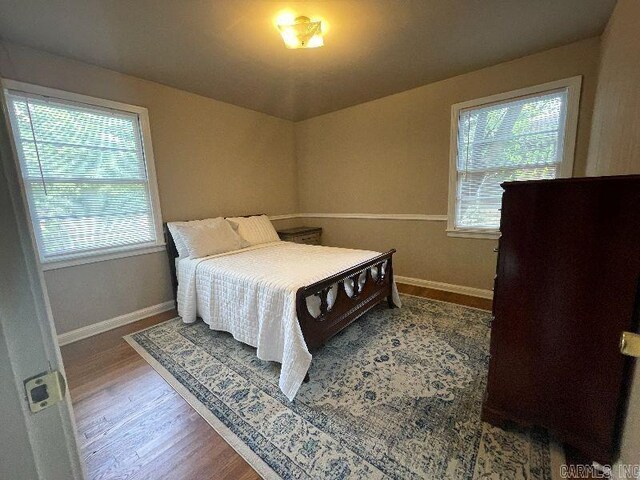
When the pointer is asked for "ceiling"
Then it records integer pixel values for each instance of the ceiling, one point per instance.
(230, 50)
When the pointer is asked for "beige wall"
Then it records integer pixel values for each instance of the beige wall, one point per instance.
(392, 156)
(93, 292)
(615, 146)
(211, 159)
(615, 132)
(423, 249)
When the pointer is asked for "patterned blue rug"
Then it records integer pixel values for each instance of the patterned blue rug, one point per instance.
(396, 395)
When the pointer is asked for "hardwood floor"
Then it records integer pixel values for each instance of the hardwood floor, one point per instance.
(458, 298)
(133, 425)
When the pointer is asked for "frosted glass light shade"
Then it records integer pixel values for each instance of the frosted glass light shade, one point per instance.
(303, 33)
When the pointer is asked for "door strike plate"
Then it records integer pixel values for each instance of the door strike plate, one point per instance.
(45, 390)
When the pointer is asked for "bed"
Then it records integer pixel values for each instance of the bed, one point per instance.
(282, 298)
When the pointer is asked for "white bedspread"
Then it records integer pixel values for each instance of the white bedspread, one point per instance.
(251, 293)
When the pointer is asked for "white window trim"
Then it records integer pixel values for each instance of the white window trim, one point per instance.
(145, 130)
(572, 85)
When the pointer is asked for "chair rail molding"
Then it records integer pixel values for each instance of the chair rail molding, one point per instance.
(366, 216)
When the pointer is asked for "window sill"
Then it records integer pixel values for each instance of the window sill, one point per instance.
(483, 234)
(101, 257)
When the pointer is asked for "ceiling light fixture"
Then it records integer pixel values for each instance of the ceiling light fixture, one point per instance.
(302, 33)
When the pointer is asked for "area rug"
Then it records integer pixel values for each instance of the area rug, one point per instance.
(396, 395)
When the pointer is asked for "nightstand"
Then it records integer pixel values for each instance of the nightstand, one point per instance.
(308, 235)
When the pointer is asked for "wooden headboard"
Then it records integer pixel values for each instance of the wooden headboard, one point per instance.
(172, 252)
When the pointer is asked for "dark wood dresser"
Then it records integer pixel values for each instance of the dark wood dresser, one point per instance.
(567, 286)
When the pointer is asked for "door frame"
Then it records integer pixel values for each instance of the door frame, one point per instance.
(43, 445)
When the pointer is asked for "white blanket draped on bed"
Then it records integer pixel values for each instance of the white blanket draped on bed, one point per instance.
(251, 293)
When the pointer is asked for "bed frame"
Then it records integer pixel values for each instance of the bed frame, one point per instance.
(345, 308)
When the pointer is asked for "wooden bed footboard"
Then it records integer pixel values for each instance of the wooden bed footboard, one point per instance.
(370, 282)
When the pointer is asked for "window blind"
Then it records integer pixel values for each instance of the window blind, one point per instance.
(84, 175)
(520, 139)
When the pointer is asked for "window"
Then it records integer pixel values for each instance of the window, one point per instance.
(524, 135)
(87, 173)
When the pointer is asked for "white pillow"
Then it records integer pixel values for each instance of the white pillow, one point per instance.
(255, 230)
(183, 251)
(210, 238)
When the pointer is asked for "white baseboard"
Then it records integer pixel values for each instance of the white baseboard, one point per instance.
(110, 324)
(446, 287)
